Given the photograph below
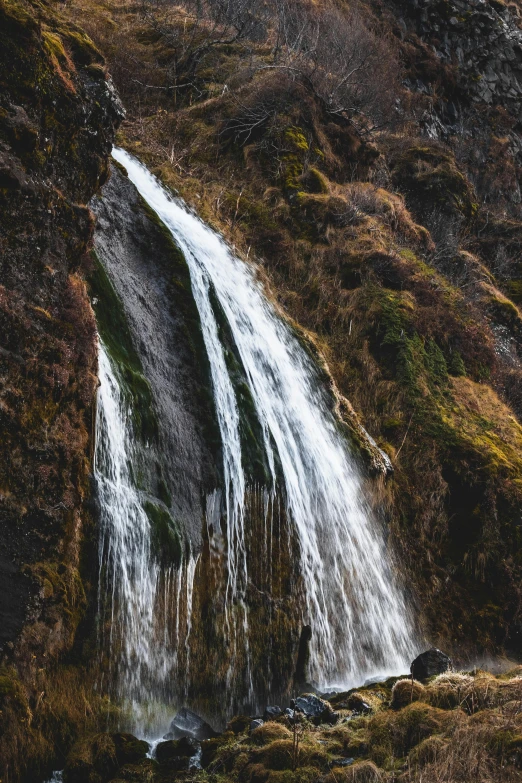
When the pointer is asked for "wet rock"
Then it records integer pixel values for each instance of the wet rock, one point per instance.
(271, 713)
(256, 723)
(176, 754)
(239, 724)
(187, 724)
(430, 663)
(316, 709)
(357, 703)
(341, 762)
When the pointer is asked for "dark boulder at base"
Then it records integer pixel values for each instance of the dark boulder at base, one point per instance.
(271, 713)
(430, 663)
(316, 709)
(176, 754)
(187, 724)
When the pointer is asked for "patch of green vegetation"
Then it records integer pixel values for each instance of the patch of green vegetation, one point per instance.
(455, 363)
(166, 537)
(116, 337)
(418, 364)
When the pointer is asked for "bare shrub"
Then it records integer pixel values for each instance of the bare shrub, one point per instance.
(352, 70)
(194, 28)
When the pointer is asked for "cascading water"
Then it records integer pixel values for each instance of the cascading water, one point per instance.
(135, 591)
(361, 625)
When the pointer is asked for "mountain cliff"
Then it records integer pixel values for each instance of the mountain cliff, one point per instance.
(368, 158)
(58, 113)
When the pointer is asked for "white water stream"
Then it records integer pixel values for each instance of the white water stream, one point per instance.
(360, 622)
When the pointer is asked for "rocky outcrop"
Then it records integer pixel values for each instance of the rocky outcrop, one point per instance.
(58, 112)
(148, 274)
(483, 39)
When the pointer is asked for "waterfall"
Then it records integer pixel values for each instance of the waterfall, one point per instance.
(136, 594)
(360, 622)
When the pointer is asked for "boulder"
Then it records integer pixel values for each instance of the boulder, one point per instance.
(341, 762)
(316, 709)
(430, 663)
(271, 713)
(176, 754)
(357, 703)
(187, 724)
(256, 723)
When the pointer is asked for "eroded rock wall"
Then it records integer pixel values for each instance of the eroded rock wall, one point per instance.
(58, 112)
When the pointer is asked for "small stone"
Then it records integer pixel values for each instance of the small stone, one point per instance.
(316, 709)
(256, 723)
(341, 762)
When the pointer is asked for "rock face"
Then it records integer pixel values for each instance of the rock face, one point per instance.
(430, 663)
(155, 294)
(58, 113)
(176, 754)
(486, 41)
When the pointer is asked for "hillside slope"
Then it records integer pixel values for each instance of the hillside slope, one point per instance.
(386, 217)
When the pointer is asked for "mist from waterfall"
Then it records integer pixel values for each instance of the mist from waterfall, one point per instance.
(361, 624)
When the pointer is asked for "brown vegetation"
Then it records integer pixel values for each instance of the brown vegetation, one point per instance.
(383, 246)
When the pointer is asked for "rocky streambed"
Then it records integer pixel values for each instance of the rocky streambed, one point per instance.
(400, 729)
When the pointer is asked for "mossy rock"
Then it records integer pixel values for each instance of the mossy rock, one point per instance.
(166, 537)
(405, 692)
(278, 755)
(430, 180)
(239, 724)
(175, 755)
(315, 181)
(269, 732)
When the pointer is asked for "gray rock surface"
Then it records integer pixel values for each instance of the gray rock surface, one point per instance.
(164, 324)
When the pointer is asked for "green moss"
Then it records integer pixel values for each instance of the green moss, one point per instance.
(316, 181)
(504, 312)
(295, 136)
(456, 364)
(83, 49)
(166, 538)
(115, 335)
